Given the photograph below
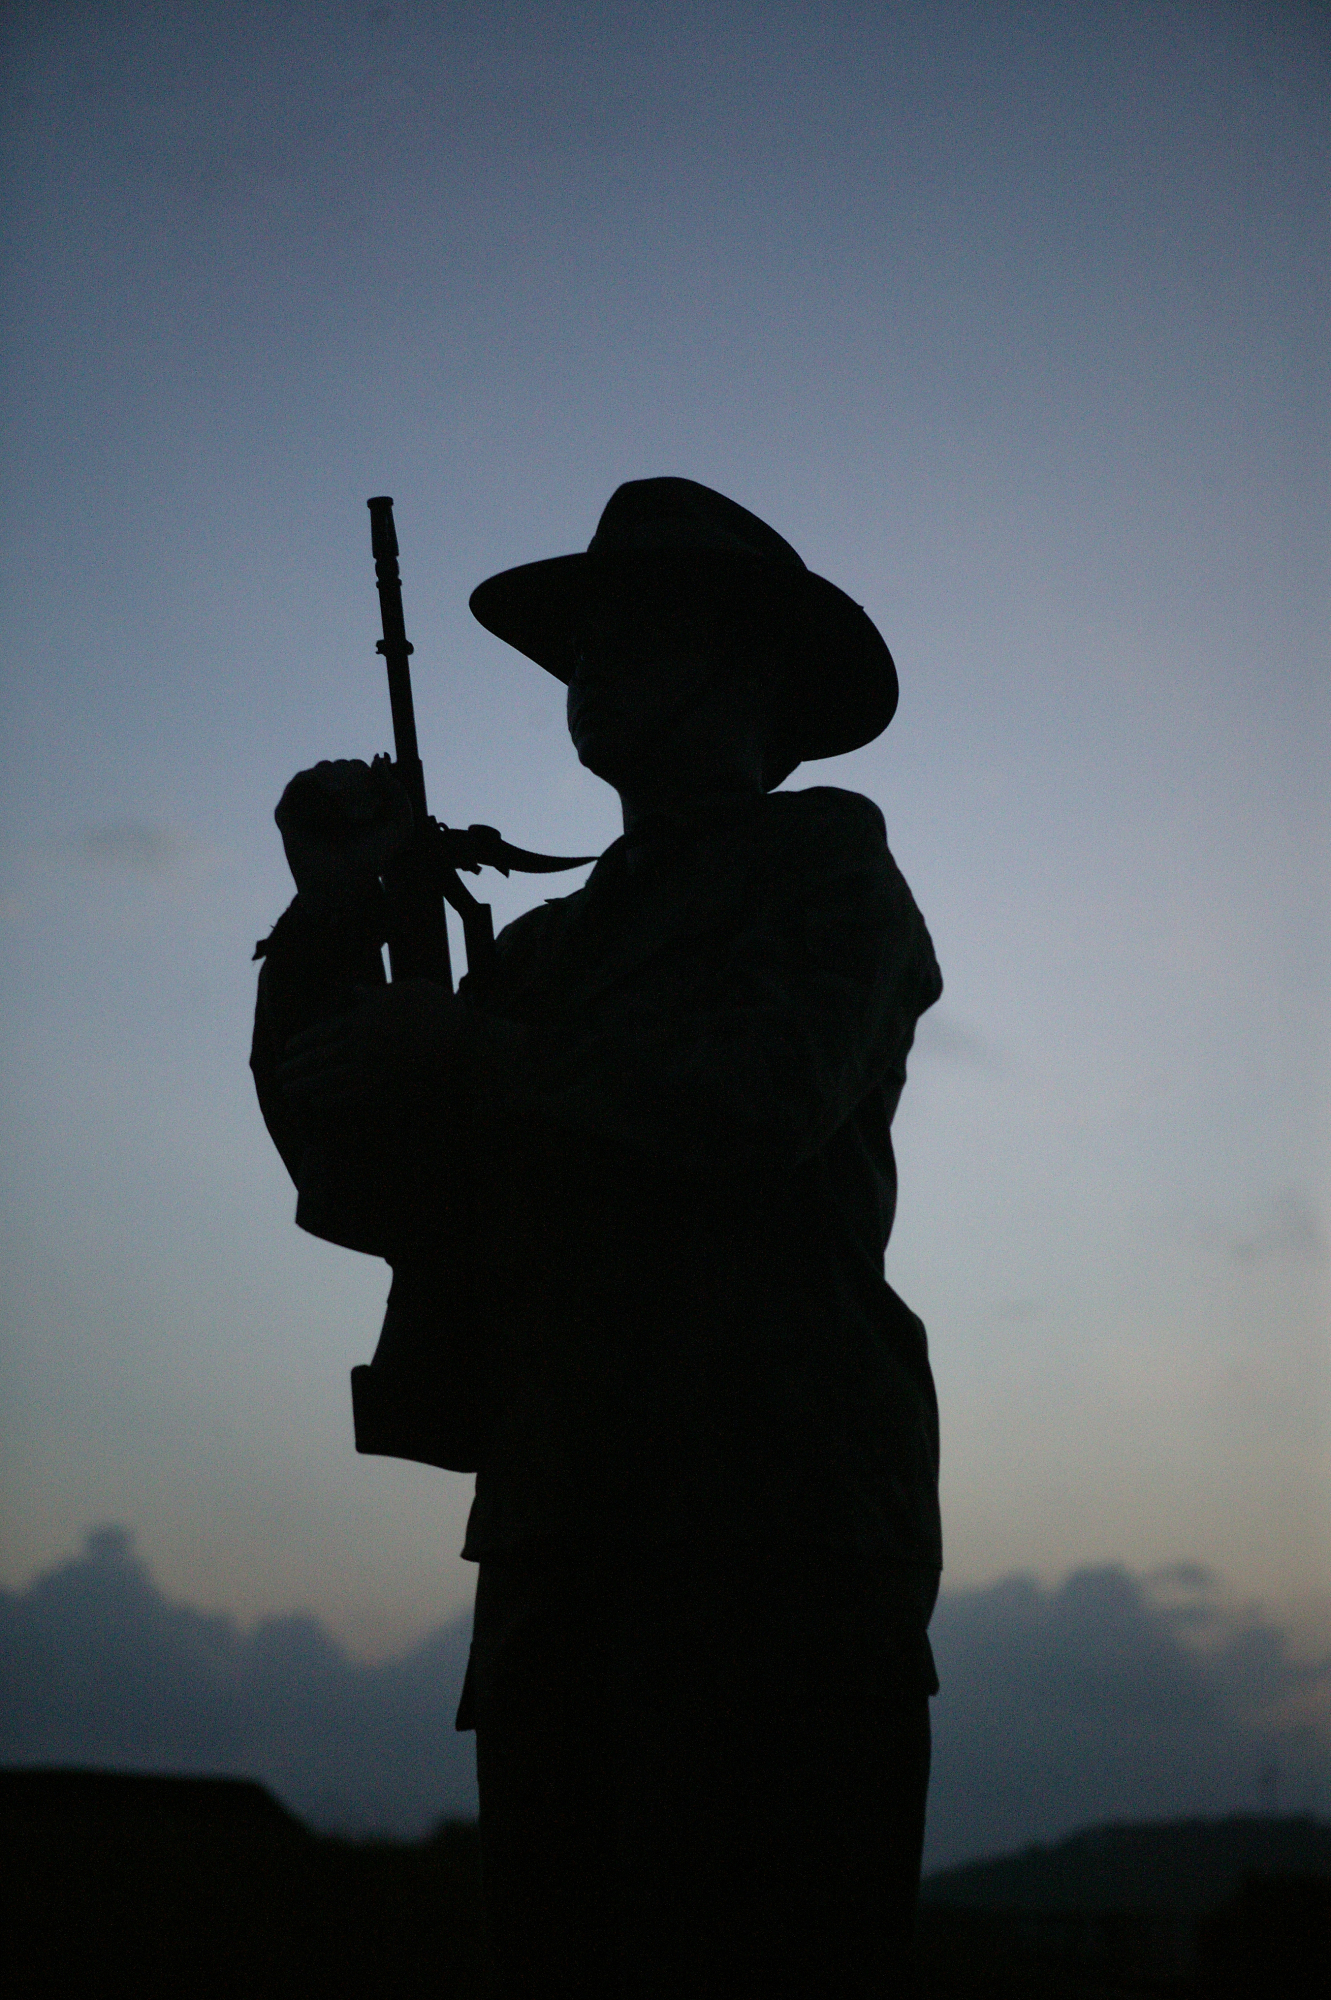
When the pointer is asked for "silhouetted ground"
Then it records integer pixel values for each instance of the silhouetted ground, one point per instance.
(1185, 1865)
(1187, 1907)
(186, 1886)
(204, 1886)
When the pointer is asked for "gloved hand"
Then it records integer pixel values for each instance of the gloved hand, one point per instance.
(341, 824)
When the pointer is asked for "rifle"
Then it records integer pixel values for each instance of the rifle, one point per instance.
(418, 1398)
(425, 877)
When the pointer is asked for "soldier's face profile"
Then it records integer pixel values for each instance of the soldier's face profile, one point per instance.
(639, 665)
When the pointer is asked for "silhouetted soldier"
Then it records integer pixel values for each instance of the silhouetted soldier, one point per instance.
(706, 1500)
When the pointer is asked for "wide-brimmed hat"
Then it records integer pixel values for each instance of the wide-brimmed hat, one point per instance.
(675, 538)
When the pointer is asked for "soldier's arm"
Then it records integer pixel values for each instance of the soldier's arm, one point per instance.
(340, 823)
(315, 963)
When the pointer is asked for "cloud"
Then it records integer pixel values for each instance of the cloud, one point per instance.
(1059, 1708)
(97, 1667)
(1283, 1228)
(1186, 1593)
(1110, 1698)
(942, 1036)
(1189, 1576)
(131, 847)
(1286, 1229)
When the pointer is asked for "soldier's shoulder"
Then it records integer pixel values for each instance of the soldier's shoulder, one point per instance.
(831, 821)
(830, 805)
(843, 839)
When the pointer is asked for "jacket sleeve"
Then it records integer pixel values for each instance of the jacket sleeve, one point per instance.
(311, 969)
(754, 1044)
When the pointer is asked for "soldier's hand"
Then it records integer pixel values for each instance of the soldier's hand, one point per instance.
(341, 824)
(387, 1059)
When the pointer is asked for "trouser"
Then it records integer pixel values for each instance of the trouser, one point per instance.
(701, 1776)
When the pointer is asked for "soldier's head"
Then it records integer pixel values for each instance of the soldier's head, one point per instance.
(672, 684)
(696, 646)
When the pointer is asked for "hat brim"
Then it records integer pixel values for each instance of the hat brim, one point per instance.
(842, 689)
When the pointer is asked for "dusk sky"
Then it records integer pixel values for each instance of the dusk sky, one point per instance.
(1013, 320)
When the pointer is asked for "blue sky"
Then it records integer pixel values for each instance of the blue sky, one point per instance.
(1012, 319)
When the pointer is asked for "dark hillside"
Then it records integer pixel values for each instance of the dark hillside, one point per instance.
(207, 1886)
(1194, 1909)
(1185, 1866)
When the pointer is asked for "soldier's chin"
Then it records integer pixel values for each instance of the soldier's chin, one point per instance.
(604, 753)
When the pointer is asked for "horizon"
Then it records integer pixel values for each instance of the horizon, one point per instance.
(1013, 323)
(1105, 1699)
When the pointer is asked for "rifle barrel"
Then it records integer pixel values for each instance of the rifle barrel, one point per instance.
(418, 929)
(397, 650)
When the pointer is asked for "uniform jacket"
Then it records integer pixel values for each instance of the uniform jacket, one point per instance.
(642, 1222)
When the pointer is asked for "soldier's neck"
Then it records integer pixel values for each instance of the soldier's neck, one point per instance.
(686, 805)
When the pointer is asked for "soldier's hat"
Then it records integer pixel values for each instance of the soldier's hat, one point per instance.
(674, 538)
